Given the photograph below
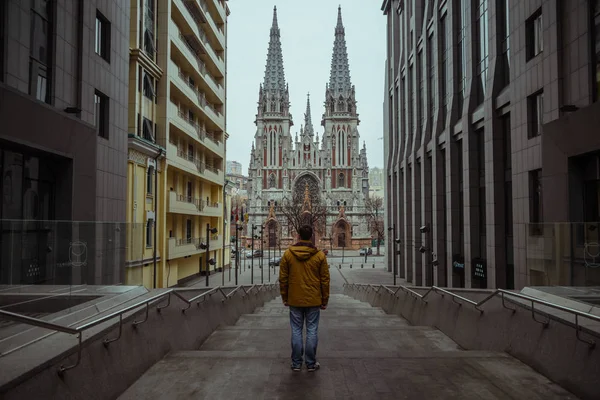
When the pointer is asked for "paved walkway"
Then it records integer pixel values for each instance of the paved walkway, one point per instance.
(356, 274)
(364, 354)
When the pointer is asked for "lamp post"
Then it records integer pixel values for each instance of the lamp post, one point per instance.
(254, 227)
(262, 270)
(394, 241)
(209, 261)
(237, 250)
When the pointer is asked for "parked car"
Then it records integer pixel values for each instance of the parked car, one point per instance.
(274, 262)
(257, 253)
(366, 250)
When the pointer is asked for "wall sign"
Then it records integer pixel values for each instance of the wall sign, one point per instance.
(479, 270)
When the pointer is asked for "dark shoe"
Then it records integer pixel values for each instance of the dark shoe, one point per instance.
(294, 368)
(314, 367)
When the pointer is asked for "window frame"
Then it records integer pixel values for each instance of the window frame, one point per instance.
(148, 86)
(535, 114)
(536, 213)
(150, 181)
(102, 36)
(102, 114)
(534, 35)
(149, 233)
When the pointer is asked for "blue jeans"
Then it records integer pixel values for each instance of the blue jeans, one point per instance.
(297, 317)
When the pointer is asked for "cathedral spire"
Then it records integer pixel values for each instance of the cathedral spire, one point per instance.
(274, 75)
(339, 81)
(308, 126)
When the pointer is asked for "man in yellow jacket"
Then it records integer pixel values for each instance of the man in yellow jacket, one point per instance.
(304, 287)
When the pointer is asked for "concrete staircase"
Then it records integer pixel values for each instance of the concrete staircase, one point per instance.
(364, 354)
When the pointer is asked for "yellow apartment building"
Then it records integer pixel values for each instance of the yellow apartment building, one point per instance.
(176, 140)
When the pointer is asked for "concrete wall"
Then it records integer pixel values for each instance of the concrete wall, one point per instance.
(554, 351)
(105, 373)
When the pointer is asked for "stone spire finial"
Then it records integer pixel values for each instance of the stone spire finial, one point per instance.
(308, 126)
(339, 80)
(274, 74)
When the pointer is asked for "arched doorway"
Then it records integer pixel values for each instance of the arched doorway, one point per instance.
(342, 234)
(272, 234)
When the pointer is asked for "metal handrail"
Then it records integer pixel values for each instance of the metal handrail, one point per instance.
(146, 302)
(502, 293)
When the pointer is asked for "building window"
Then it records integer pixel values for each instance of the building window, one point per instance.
(595, 44)
(462, 21)
(503, 17)
(149, 45)
(149, 86)
(147, 130)
(535, 114)
(102, 36)
(444, 69)
(482, 201)
(411, 103)
(101, 109)
(149, 232)
(421, 98)
(272, 181)
(534, 35)
(430, 82)
(341, 179)
(535, 203)
(150, 181)
(482, 50)
(40, 51)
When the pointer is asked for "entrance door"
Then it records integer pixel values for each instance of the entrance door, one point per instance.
(342, 239)
(272, 235)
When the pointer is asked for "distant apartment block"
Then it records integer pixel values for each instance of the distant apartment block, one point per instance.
(63, 141)
(234, 167)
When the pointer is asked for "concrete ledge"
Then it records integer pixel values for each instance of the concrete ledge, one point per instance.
(106, 372)
(555, 351)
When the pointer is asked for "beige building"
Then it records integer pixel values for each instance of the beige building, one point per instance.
(376, 176)
(177, 76)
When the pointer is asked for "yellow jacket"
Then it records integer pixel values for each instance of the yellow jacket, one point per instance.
(304, 276)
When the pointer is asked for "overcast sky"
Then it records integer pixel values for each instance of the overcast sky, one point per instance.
(307, 34)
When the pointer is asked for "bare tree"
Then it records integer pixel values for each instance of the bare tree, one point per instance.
(374, 209)
(304, 209)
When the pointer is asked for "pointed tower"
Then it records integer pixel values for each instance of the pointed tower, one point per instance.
(308, 125)
(273, 121)
(340, 119)
(273, 93)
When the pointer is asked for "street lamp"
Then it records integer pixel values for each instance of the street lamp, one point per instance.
(254, 227)
(394, 242)
(237, 250)
(262, 270)
(206, 246)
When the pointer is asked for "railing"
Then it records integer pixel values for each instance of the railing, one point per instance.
(190, 200)
(498, 292)
(146, 302)
(200, 132)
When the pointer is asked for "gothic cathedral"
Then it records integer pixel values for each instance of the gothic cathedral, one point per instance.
(332, 169)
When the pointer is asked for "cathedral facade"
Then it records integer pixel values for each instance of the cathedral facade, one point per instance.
(329, 168)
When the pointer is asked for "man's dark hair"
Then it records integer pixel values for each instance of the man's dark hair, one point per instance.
(305, 232)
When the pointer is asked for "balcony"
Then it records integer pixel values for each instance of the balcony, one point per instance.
(221, 12)
(190, 127)
(179, 248)
(200, 13)
(197, 36)
(180, 158)
(213, 209)
(180, 204)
